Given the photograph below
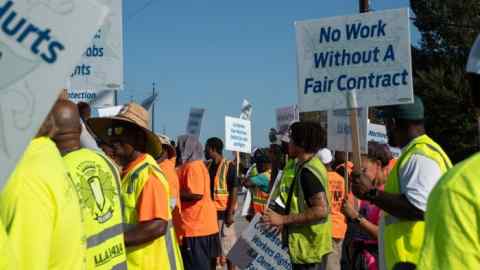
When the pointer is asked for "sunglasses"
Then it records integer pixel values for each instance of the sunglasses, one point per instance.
(115, 131)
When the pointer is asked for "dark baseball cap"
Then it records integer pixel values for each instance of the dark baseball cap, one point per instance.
(412, 111)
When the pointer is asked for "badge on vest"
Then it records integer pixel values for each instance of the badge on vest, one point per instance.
(97, 193)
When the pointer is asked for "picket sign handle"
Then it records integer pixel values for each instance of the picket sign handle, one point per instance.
(238, 163)
(357, 161)
(353, 106)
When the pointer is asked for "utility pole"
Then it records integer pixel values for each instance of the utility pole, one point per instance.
(153, 108)
(364, 6)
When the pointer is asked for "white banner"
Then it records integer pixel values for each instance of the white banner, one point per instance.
(194, 124)
(260, 247)
(35, 58)
(286, 116)
(101, 65)
(377, 133)
(339, 131)
(368, 53)
(238, 136)
(109, 111)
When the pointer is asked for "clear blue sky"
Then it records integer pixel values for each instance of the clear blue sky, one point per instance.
(215, 53)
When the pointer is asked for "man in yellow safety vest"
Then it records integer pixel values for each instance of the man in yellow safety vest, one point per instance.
(452, 230)
(39, 207)
(150, 238)
(97, 181)
(409, 184)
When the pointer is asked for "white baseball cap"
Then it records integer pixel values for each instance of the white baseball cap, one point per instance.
(325, 155)
(473, 63)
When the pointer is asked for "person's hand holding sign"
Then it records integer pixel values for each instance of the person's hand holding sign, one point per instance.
(361, 185)
(270, 217)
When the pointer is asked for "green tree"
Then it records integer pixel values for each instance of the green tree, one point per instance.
(448, 28)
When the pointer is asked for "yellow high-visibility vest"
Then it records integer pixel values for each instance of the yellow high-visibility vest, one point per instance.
(163, 252)
(403, 239)
(98, 184)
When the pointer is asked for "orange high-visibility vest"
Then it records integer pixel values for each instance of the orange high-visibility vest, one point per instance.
(220, 189)
(260, 198)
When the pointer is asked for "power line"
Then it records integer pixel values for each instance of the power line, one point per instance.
(139, 10)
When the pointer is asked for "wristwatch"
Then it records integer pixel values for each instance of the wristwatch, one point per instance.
(358, 219)
(371, 194)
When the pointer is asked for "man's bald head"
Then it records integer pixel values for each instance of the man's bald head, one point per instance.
(66, 117)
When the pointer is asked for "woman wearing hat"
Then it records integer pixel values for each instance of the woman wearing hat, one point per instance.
(145, 190)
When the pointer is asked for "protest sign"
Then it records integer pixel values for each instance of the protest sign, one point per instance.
(286, 116)
(109, 111)
(194, 123)
(238, 135)
(101, 65)
(35, 58)
(339, 130)
(260, 247)
(246, 111)
(368, 53)
(377, 133)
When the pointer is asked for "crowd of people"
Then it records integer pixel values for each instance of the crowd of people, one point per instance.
(108, 193)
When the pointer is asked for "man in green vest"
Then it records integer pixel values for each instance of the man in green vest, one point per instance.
(404, 199)
(97, 181)
(452, 231)
(305, 220)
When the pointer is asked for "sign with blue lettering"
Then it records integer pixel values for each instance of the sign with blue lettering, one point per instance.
(260, 248)
(339, 131)
(286, 116)
(101, 65)
(377, 133)
(194, 124)
(40, 41)
(368, 53)
(238, 136)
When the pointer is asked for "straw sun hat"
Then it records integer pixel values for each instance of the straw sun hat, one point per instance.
(132, 115)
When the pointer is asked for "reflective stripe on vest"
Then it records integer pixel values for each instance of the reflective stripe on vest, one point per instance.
(99, 238)
(120, 266)
(403, 238)
(170, 248)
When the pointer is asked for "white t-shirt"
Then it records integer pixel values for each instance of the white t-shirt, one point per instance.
(417, 179)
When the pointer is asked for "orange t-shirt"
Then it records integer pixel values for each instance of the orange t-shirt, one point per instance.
(168, 168)
(336, 185)
(199, 218)
(153, 202)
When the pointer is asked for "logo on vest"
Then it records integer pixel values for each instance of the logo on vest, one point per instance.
(97, 193)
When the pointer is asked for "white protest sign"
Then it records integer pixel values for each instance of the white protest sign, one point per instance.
(35, 58)
(101, 65)
(339, 130)
(368, 52)
(285, 116)
(260, 247)
(109, 111)
(246, 111)
(194, 123)
(238, 136)
(377, 133)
